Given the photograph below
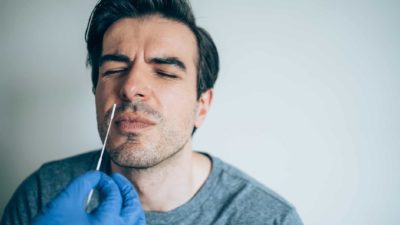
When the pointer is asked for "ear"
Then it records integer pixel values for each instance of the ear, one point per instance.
(204, 104)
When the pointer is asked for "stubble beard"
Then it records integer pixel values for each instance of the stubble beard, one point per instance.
(140, 152)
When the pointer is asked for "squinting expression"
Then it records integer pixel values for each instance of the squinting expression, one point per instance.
(148, 68)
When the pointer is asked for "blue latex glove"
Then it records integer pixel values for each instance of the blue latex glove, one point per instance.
(120, 204)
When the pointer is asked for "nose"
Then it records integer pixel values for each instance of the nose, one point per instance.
(135, 86)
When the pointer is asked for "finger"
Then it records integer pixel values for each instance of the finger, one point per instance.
(78, 189)
(111, 200)
(131, 208)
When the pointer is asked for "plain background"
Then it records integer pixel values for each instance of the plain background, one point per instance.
(307, 100)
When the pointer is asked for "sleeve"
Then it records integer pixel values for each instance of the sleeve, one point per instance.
(24, 203)
(292, 218)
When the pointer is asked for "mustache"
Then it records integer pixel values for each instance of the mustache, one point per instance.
(136, 107)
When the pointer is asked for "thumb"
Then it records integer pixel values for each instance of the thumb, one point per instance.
(131, 211)
(111, 197)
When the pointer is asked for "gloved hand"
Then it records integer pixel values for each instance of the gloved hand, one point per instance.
(120, 204)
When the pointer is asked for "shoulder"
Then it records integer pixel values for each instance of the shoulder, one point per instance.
(72, 165)
(24, 203)
(55, 175)
(42, 185)
(251, 202)
(236, 179)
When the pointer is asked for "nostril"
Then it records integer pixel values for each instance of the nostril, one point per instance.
(124, 95)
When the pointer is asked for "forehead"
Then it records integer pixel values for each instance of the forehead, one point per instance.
(150, 35)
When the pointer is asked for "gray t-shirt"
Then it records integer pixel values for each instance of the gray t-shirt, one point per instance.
(227, 197)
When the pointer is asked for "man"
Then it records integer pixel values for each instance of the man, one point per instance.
(150, 59)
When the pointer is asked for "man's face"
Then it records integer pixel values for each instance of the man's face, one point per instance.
(148, 68)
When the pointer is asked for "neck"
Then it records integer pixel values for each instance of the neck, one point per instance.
(171, 183)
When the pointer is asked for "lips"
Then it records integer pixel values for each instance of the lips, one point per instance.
(132, 122)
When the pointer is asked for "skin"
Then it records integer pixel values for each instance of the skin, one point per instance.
(155, 155)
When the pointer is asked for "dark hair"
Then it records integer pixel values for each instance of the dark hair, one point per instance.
(106, 12)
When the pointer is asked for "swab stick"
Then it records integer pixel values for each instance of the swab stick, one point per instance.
(105, 140)
(102, 152)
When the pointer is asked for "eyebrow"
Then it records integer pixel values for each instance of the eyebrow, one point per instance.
(168, 61)
(114, 57)
(174, 61)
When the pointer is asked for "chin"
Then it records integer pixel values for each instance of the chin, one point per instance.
(134, 155)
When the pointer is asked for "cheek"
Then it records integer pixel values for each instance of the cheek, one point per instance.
(178, 105)
(104, 98)
(182, 98)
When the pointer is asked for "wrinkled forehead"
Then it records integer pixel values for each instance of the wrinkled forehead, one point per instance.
(151, 35)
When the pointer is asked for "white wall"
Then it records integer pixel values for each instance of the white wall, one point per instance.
(307, 100)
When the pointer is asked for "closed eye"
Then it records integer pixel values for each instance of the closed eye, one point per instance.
(115, 71)
(162, 73)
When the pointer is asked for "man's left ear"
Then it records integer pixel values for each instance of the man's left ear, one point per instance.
(204, 104)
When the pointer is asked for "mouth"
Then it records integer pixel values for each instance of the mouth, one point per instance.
(132, 122)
